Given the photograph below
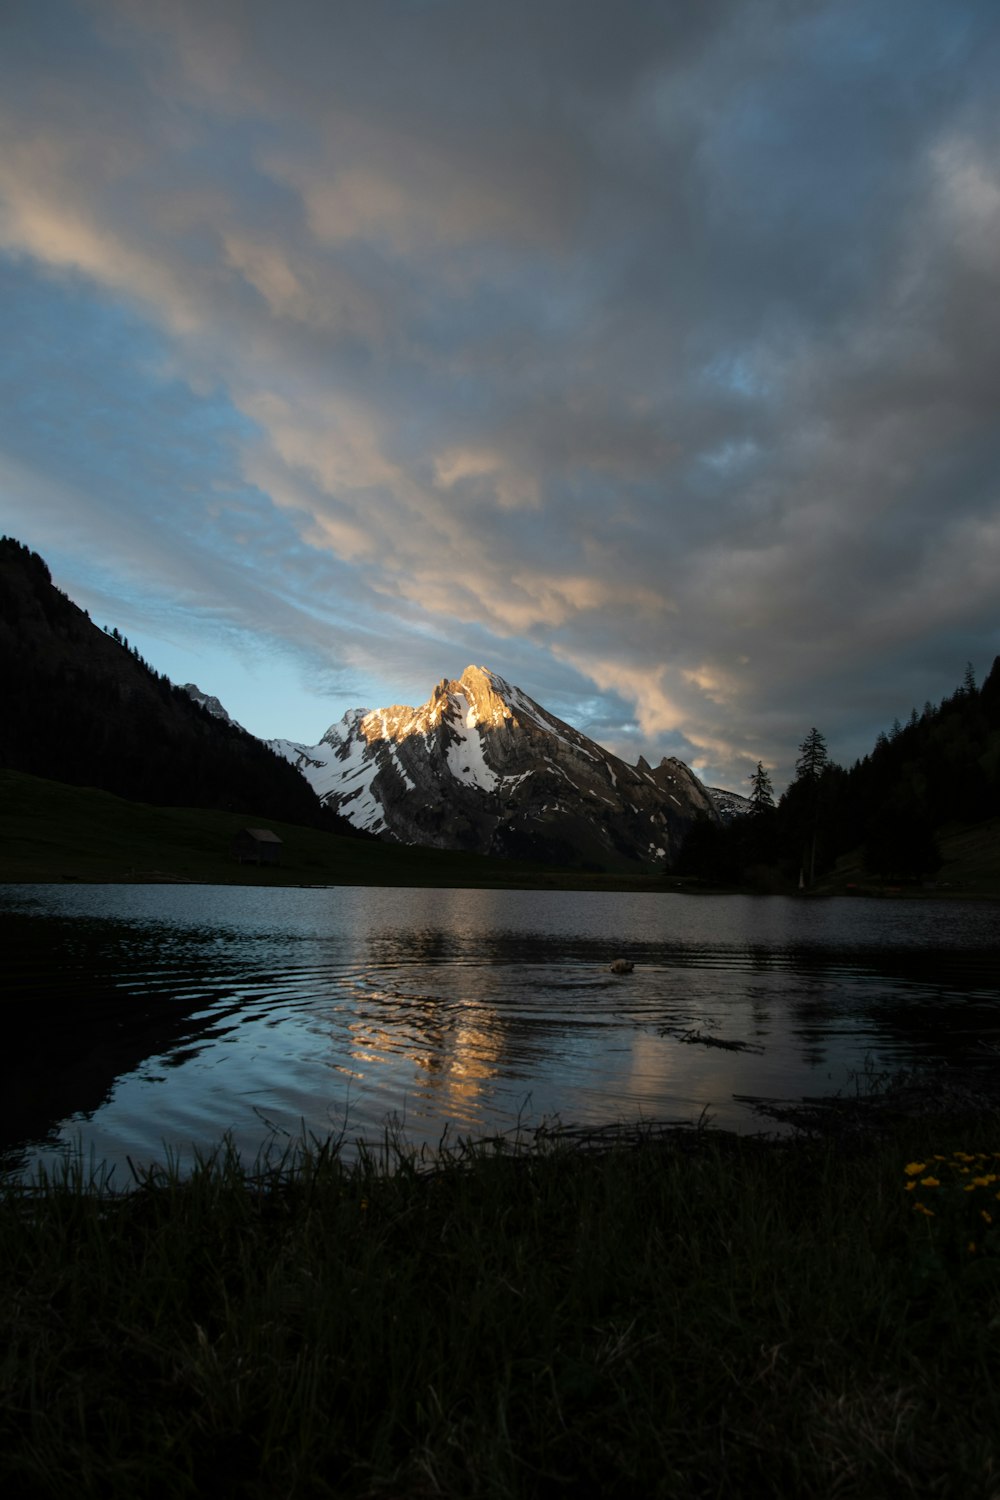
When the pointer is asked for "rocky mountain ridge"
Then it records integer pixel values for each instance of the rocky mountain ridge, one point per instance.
(483, 767)
(729, 805)
(209, 703)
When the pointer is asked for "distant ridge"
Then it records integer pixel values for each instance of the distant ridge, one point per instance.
(208, 703)
(729, 805)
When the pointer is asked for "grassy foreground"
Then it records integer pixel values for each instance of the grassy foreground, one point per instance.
(686, 1315)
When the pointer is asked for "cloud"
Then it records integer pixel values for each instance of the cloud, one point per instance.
(653, 348)
(479, 470)
(43, 220)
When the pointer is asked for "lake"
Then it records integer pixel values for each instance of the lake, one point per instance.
(145, 1019)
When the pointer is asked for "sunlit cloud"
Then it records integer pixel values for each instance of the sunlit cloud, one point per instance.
(480, 472)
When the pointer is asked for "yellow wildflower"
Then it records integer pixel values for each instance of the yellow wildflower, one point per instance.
(929, 1182)
(911, 1185)
(915, 1168)
(985, 1216)
(963, 1156)
(920, 1208)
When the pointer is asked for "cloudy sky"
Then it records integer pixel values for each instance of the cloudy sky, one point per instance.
(646, 353)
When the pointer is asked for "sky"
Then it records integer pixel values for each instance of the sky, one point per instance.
(647, 354)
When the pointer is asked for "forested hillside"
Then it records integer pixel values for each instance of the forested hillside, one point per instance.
(940, 769)
(80, 706)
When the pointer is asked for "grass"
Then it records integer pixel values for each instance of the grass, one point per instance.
(970, 866)
(53, 832)
(681, 1314)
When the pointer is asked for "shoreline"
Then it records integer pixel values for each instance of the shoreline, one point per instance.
(558, 881)
(881, 1106)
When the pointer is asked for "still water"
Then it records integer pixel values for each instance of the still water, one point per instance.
(146, 1019)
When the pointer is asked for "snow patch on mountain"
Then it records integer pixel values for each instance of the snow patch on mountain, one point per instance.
(465, 754)
(728, 805)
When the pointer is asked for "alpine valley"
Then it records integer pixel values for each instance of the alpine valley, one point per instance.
(482, 767)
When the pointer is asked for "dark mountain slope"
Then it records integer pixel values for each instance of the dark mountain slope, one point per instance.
(79, 706)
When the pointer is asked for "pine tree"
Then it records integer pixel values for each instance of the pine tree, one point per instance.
(813, 757)
(761, 790)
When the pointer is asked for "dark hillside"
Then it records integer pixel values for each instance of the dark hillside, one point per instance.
(941, 768)
(890, 812)
(80, 706)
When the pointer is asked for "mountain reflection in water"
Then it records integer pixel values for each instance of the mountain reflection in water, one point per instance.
(145, 1018)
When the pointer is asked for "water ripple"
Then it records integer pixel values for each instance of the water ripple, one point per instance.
(159, 1015)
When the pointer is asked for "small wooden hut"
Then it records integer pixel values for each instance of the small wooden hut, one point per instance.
(257, 846)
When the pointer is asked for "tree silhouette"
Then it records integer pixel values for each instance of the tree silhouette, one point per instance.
(761, 790)
(812, 764)
(813, 757)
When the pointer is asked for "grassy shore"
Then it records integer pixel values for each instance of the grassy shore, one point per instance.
(51, 832)
(54, 833)
(970, 866)
(676, 1313)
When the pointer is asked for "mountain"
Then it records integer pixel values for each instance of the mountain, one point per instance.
(482, 767)
(208, 703)
(81, 706)
(729, 805)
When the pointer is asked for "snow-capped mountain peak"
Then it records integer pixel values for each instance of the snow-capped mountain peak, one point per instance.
(482, 766)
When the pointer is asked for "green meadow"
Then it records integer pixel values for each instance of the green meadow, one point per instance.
(50, 831)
